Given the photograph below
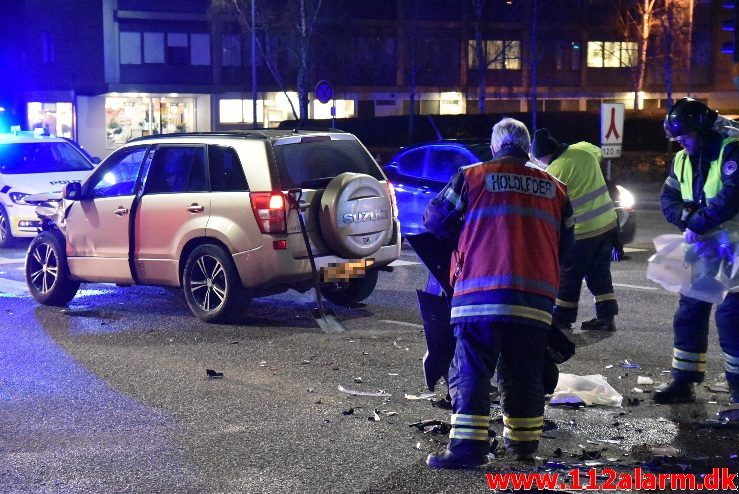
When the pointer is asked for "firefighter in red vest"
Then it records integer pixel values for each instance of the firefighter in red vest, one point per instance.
(511, 222)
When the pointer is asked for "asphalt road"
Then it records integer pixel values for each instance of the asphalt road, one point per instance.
(111, 394)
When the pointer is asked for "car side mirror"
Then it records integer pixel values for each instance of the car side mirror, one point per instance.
(72, 191)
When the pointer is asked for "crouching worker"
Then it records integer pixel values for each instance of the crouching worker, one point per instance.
(511, 222)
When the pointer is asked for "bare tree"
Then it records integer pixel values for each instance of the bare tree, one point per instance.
(675, 24)
(281, 30)
(486, 53)
(636, 19)
(478, 7)
(534, 60)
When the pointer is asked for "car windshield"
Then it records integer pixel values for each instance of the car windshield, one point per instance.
(41, 157)
(312, 163)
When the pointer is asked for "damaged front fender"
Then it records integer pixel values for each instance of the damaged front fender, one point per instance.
(51, 207)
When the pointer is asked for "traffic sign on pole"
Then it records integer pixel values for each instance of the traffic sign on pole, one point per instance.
(324, 91)
(611, 129)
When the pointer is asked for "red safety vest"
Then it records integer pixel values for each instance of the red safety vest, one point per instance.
(509, 245)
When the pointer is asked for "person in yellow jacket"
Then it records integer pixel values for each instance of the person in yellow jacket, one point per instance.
(596, 230)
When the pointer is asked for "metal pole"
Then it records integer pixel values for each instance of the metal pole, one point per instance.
(608, 170)
(253, 66)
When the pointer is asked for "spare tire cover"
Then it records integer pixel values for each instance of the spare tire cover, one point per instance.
(355, 218)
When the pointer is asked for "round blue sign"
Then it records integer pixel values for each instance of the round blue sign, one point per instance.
(324, 91)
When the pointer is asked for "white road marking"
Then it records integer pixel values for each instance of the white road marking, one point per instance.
(401, 323)
(401, 262)
(12, 260)
(638, 287)
(13, 287)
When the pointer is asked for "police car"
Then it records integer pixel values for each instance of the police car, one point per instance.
(29, 164)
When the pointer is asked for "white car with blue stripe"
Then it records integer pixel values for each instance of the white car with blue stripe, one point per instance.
(31, 164)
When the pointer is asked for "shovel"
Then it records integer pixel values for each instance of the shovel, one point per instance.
(326, 318)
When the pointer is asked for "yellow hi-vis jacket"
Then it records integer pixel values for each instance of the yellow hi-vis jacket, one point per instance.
(579, 168)
(713, 183)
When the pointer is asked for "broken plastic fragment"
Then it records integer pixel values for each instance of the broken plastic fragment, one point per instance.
(432, 426)
(358, 380)
(395, 344)
(637, 390)
(609, 366)
(362, 393)
(719, 387)
(629, 365)
(213, 374)
(374, 418)
(665, 450)
(644, 380)
(422, 396)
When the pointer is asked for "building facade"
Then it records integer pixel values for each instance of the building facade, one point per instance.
(105, 71)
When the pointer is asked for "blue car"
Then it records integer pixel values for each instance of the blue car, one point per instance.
(420, 171)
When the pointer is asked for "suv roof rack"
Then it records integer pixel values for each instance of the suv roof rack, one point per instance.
(257, 133)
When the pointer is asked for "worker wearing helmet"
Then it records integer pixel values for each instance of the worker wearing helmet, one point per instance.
(700, 195)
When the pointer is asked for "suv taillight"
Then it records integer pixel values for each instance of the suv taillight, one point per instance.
(393, 201)
(269, 210)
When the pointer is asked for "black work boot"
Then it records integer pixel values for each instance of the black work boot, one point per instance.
(675, 391)
(460, 454)
(604, 324)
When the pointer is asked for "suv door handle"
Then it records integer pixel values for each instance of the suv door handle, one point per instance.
(196, 208)
(121, 211)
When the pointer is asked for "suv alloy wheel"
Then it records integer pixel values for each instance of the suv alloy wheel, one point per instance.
(47, 273)
(212, 287)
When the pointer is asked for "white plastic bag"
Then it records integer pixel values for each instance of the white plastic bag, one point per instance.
(705, 270)
(591, 390)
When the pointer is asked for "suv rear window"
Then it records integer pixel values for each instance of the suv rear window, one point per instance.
(41, 157)
(312, 163)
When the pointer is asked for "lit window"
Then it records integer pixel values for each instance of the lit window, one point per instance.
(612, 53)
(200, 49)
(499, 54)
(153, 47)
(130, 48)
(239, 111)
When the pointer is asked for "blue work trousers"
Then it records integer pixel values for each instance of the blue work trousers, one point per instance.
(690, 328)
(590, 258)
(518, 353)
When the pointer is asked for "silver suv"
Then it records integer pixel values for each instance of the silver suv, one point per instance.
(211, 212)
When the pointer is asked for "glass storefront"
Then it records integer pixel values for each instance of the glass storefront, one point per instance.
(54, 118)
(128, 117)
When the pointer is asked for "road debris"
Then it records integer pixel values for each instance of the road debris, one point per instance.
(719, 387)
(355, 392)
(432, 426)
(421, 396)
(213, 374)
(375, 417)
(644, 380)
(629, 365)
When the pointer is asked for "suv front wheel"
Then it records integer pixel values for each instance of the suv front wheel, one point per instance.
(47, 273)
(350, 292)
(212, 286)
